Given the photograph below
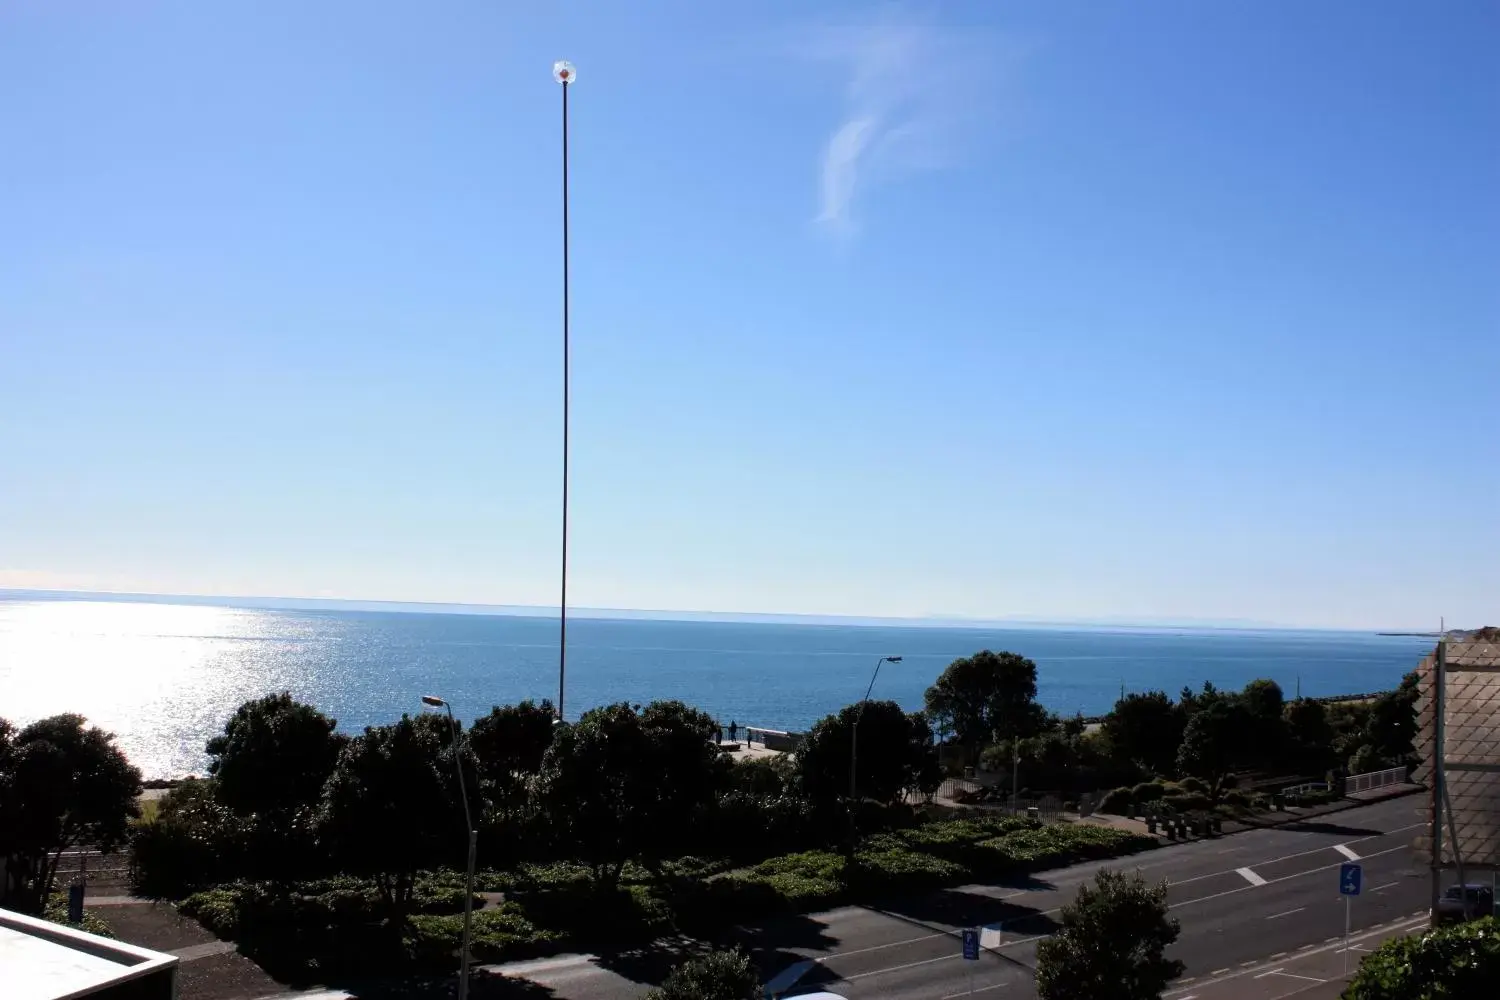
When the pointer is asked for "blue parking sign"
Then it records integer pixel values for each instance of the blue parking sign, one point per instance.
(971, 944)
(1351, 876)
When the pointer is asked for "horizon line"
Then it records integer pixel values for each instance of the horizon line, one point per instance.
(653, 614)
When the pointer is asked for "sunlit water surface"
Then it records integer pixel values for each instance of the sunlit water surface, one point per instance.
(164, 677)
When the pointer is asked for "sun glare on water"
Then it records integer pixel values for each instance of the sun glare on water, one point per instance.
(159, 676)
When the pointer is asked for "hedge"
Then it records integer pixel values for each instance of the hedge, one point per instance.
(317, 927)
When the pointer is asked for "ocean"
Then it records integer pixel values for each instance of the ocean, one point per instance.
(165, 676)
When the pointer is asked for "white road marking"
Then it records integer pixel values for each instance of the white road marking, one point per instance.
(1386, 886)
(882, 947)
(899, 968)
(1293, 975)
(1417, 919)
(788, 977)
(1263, 975)
(1250, 876)
(1346, 852)
(966, 993)
(1219, 971)
(1286, 913)
(1272, 861)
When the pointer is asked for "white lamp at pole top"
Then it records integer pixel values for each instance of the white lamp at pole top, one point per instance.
(563, 72)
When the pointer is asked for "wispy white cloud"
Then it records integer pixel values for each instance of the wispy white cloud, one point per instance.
(910, 90)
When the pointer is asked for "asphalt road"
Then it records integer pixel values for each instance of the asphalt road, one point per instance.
(1264, 903)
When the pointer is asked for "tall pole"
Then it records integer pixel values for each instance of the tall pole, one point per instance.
(854, 747)
(564, 74)
(1439, 693)
(1015, 777)
(458, 763)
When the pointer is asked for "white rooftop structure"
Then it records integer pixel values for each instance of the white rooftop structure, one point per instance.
(46, 961)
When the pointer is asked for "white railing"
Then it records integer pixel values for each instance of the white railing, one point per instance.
(1303, 789)
(1374, 779)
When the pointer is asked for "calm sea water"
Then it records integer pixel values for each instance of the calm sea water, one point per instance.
(164, 677)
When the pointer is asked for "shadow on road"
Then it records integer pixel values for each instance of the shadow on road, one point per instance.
(651, 962)
(952, 908)
(1336, 829)
(481, 987)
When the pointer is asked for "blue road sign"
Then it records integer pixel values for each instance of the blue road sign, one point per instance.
(971, 944)
(1351, 877)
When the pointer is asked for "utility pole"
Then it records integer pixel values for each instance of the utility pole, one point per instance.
(1015, 777)
(564, 73)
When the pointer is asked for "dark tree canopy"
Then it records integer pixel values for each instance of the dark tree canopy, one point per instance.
(1146, 729)
(1265, 732)
(895, 753)
(719, 975)
(389, 808)
(62, 783)
(1112, 943)
(623, 784)
(1392, 725)
(1309, 734)
(508, 744)
(274, 756)
(1215, 742)
(986, 697)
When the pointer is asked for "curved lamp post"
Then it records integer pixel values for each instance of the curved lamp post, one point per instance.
(854, 747)
(458, 763)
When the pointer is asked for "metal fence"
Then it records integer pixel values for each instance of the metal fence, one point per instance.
(1374, 779)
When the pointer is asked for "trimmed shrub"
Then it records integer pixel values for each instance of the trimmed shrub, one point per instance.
(1147, 791)
(1118, 802)
(1192, 784)
(501, 933)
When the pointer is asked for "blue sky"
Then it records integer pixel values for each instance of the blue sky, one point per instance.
(1059, 310)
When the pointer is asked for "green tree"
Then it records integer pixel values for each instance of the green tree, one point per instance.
(388, 810)
(986, 697)
(1213, 744)
(895, 753)
(509, 743)
(719, 975)
(1265, 729)
(1448, 963)
(62, 784)
(623, 784)
(1309, 735)
(274, 756)
(1392, 724)
(1145, 729)
(1112, 943)
(1263, 699)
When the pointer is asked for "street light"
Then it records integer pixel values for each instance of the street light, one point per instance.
(564, 73)
(463, 968)
(854, 746)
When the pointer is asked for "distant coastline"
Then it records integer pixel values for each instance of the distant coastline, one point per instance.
(617, 614)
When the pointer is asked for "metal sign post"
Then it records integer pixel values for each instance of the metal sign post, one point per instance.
(971, 951)
(1351, 878)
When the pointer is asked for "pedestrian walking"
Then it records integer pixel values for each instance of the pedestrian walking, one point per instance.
(734, 728)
